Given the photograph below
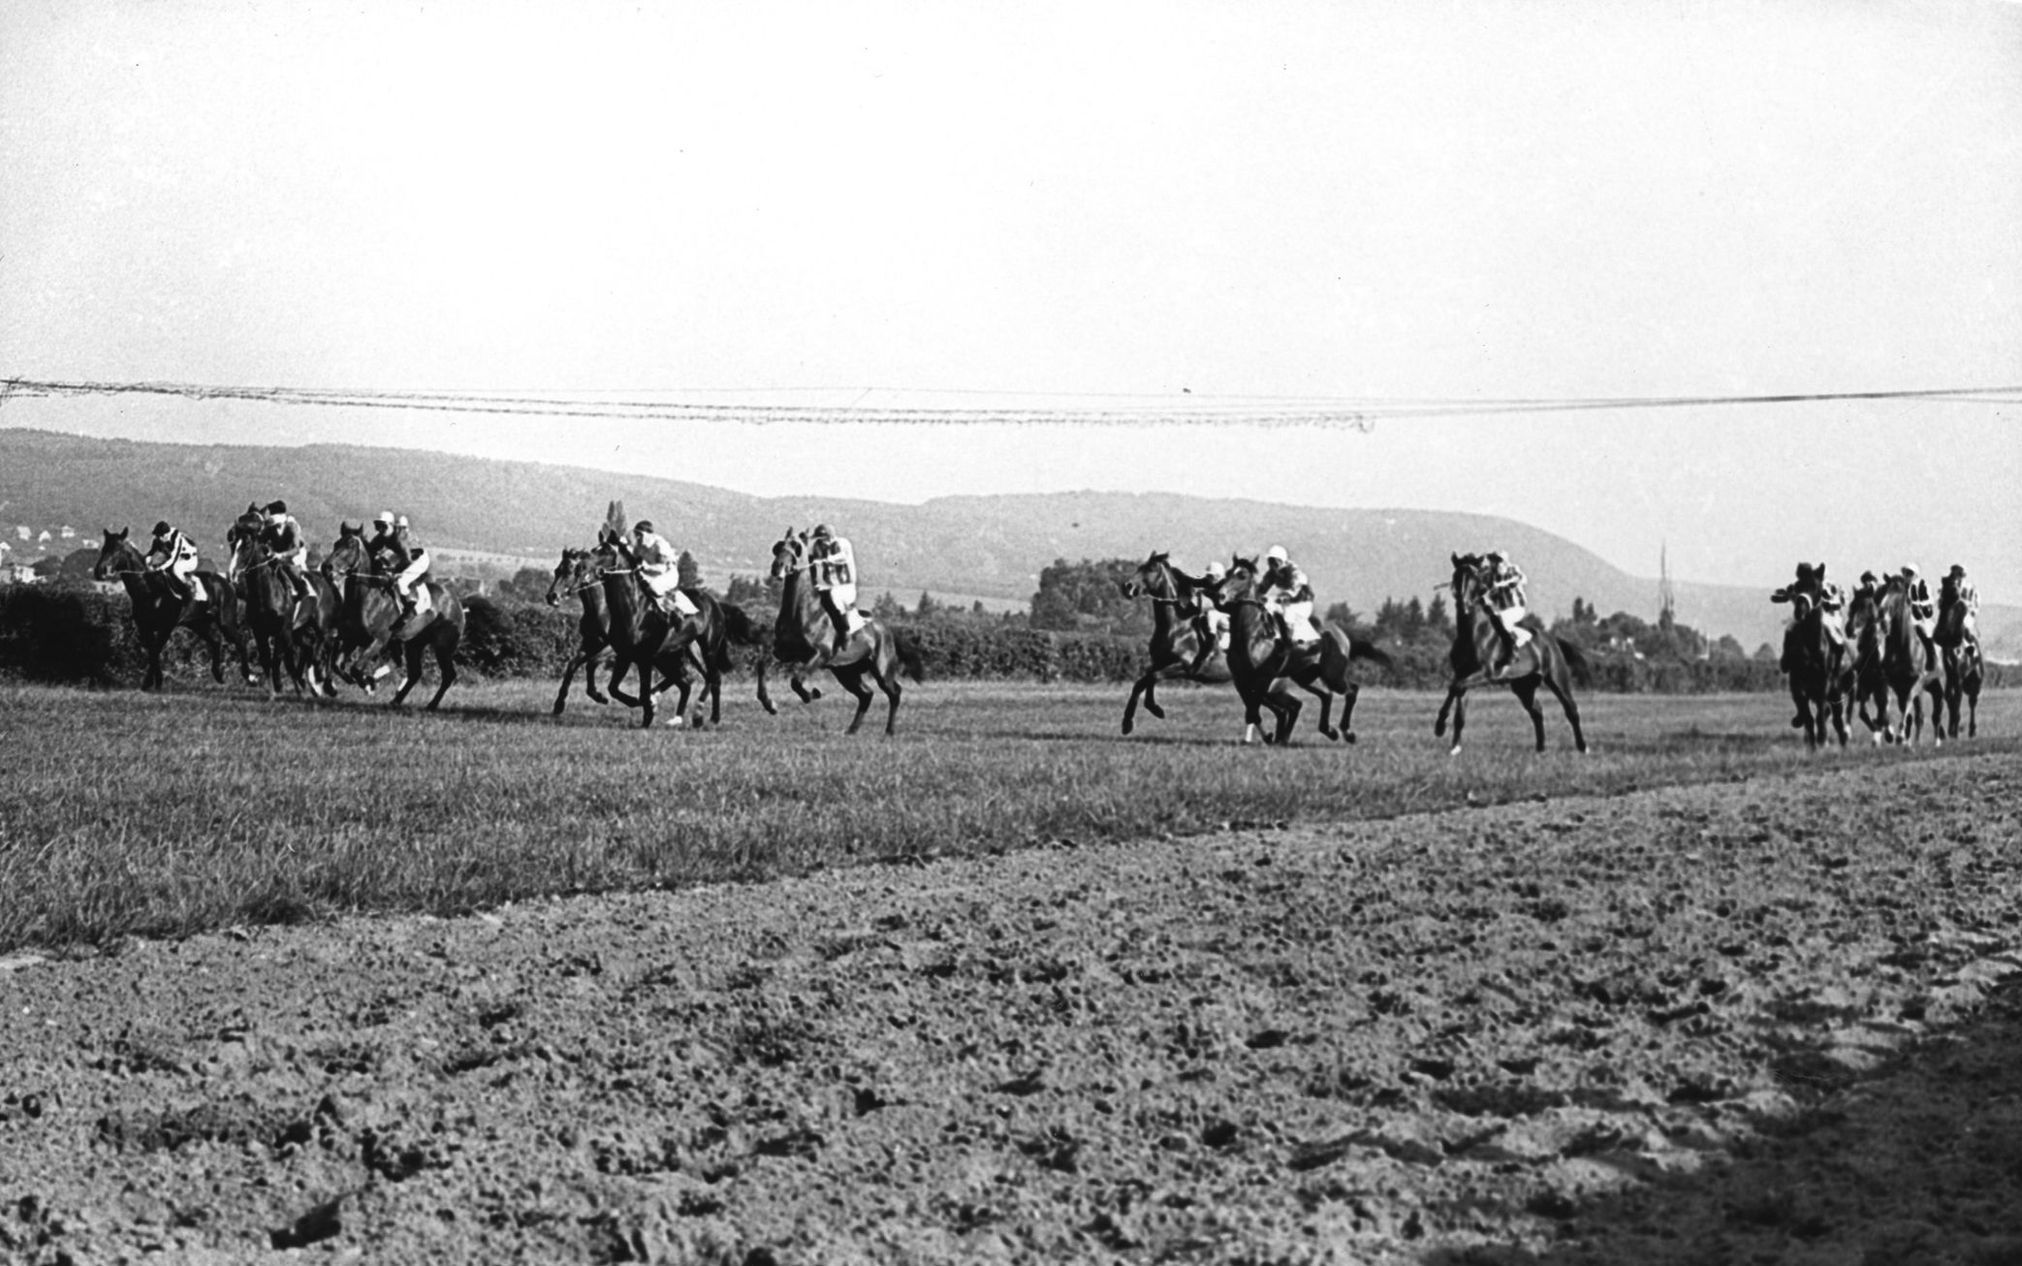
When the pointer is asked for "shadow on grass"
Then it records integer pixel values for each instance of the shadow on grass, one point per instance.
(1917, 1160)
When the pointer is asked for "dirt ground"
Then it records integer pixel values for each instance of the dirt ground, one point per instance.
(1763, 1022)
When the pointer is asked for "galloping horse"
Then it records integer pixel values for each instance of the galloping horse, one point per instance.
(1817, 672)
(1908, 670)
(158, 611)
(1544, 660)
(369, 623)
(1862, 682)
(577, 573)
(642, 636)
(1175, 636)
(1261, 659)
(290, 634)
(802, 638)
(1964, 666)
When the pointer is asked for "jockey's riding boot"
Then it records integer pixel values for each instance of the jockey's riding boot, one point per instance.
(841, 621)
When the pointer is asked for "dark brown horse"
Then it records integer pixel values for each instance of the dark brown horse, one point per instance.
(1909, 672)
(159, 610)
(577, 573)
(1863, 683)
(1964, 666)
(291, 633)
(1175, 634)
(1262, 660)
(803, 638)
(369, 624)
(642, 636)
(1817, 672)
(1543, 661)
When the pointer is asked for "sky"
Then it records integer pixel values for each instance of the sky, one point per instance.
(1176, 214)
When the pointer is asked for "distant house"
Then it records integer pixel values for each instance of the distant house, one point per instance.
(67, 532)
(19, 574)
(21, 530)
(43, 539)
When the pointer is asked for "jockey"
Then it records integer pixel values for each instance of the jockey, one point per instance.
(659, 564)
(1923, 611)
(1956, 590)
(1507, 604)
(1213, 621)
(284, 538)
(244, 531)
(832, 566)
(172, 554)
(402, 555)
(1288, 595)
(1831, 600)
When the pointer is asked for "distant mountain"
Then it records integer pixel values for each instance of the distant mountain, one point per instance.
(953, 547)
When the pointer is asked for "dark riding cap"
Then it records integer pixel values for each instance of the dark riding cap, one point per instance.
(1958, 569)
(277, 507)
(1805, 571)
(1869, 578)
(643, 525)
(822, 530)
(162, 528)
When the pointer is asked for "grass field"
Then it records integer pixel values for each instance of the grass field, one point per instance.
(199, 808)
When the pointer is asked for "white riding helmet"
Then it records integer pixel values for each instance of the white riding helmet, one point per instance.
(386, 517)
(1276, 554)
(400, 522)
(1909, 571)
(1215, 571)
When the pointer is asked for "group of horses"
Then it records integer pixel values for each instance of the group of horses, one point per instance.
(1884, 661)
(1263, 664)
(351, 626)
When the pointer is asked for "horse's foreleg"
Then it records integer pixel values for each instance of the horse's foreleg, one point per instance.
(1458, 698)
(764, 699)
(1141, 688)
(568, 679)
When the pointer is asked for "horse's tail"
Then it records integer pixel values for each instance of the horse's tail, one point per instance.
(1369, 651)
(739, 628)
(907, 647)
(1576, 659)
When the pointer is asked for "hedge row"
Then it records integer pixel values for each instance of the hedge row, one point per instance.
(58, 633)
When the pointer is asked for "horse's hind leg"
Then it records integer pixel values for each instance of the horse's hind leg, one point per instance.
(445, 665)
(1348, 695)
(1571, 708)
(888, 681)
(855, 685)
(1526, 691)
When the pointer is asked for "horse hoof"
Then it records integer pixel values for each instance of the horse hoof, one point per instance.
(1348, 736)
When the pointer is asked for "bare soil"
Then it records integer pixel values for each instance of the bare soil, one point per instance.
(1767, 1022)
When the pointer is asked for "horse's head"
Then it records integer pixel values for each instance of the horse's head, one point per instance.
(1238, 584)
(573, 573)
(1467, 582)
(788, 554)
(1153, 578)
(116, 553)
(349, 554)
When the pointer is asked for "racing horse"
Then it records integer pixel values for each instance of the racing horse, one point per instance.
(369, 624)
(642, 636)
(1863, 683)
(577, 573)
(1543, 661)
(1175, 634)
(1817, 672)
(803, 638)
(1964, 665)
(1261, 659)
(158, 610)
(290, 633)
(1908, 670)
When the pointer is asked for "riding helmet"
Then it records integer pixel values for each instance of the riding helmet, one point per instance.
(277, 507)
(1958, 569)
(822, 530)
(162, 528)
(1276, 554)
(643, 525)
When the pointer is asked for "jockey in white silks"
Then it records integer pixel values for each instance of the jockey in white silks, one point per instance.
(1923, 608)
(1507, 604)
(173, 554)
(394, 548)
(832, 567)
(660, 569)
(1213, 620)
(1288, 595)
